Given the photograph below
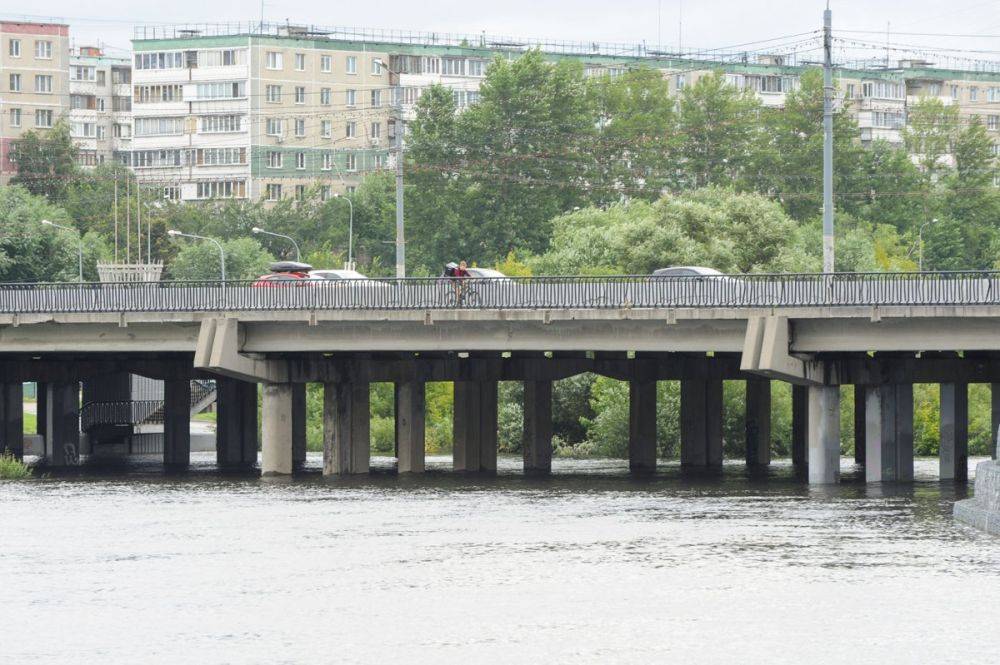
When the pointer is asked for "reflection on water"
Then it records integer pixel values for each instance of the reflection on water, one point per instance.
(589, 566)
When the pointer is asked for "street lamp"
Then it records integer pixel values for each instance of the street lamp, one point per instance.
(400, 241)
(920, 243)
(46, 222)
(350, 234)
(298, 254)
(222, 254)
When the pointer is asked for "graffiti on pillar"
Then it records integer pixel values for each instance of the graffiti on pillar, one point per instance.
(72, 456)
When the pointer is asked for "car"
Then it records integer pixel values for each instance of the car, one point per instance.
(485, 273)
(335, 275)
(284, 273)
(687, 271)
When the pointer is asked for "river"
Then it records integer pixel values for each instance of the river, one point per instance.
(128, 566)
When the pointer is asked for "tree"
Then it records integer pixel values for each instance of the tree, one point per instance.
(929, 133)
(29, 251)
(199, 260)
(46, 162)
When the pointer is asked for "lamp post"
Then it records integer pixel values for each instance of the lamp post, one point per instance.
(298, 254)
(920, 244)
(222, 254)
(350, 233)
(400, 239)
(46, 222)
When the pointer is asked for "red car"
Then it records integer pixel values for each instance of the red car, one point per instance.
(285, 273)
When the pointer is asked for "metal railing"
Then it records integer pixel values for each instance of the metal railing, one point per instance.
(617, 292)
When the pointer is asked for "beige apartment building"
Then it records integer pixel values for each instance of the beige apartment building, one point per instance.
(100, 100)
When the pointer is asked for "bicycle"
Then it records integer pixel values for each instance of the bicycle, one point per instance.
(461, 292)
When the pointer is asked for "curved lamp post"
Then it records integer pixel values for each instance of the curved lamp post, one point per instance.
(350, 233)
(46, 222)
(259, 231)
(222, 254)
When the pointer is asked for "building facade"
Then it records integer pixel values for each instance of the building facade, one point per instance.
(100, 105)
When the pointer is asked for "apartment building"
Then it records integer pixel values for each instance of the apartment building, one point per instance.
(34, 83)
(100, 105)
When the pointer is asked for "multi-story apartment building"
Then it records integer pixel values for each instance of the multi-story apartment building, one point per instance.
(100, 99)
(265, 111)
(34, 82)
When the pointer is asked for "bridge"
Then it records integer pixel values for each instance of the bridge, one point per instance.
(878, 332)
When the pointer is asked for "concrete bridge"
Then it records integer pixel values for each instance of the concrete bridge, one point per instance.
(880, 333)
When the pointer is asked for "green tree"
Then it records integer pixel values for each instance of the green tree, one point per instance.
(200, 260)
(29, 251)
(46, 161)
(929, 133)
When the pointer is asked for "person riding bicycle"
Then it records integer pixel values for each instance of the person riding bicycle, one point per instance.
(457, 273)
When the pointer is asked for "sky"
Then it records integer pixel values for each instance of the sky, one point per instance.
(705, 24)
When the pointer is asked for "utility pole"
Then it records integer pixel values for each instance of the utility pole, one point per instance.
(828, 262)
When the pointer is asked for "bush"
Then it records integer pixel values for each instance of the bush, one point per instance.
(12, 468)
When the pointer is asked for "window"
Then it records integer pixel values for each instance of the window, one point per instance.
(159, 126)
(352, 64)
(850, 91)
(15, 117)
(327, 161)
(220, 156)
(43, 50)
(934, 89)
(888, 119)
(300, 127)
(300, 94)
(351, 189)
(993, 122)
(954, 92)
(43, 118)
(15, 48)
(324, 192)
(351, 129)
(274, 127)
(300, 62)
(680, 81)
(274, 160)
(476, 67)
(453, 66)
(120, 131)
(121, 75)
(222, 189)
(992, 95)
(43, 83)
(351, 97)
(82, 102)
(324, 96)
(221, 124)
(173, 60)
(376, 67)
(274, 93)
(274, 60)
(102, 79)
(81, 73)
(273, 192)
(376, 130)
(300, 192)
(121, 104)
(15, 83)
(225, 58)
(223, 90)
(376, 98)
(326, 129)
(300, 160)
(352, 162)
(326, 63)
(144, 159)
(100, 104)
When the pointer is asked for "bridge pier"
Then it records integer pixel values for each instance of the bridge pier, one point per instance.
(236, 430)
(824, 434)
(346, 428)
(62, 425)
(536, 445)
(758, 422)
(889, 433)
(298, 425)
(800, 426)
(276, 429)
(475, 426)
(12, 419)
(860, 424)
(954, 445)
(701, 422)
(994, 418)
(642, 425)
(411, 398)
(176, 423)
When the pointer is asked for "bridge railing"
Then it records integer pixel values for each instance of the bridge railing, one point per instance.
(614, 292)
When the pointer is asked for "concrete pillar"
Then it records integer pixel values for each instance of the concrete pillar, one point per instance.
(536, 445)
(41, 407)
(800, 426)
(824, 434)
(177, 423)
(860, 424)
(276, 429)
(236, 426)
(954, 450)
(701, 422)
(475, 426)
(298, 425)
(758, 422)
(62, 424)
(346, 428)
(410, 426)
(12, 419)
(994, 418)
(642, 426)
(889, 433)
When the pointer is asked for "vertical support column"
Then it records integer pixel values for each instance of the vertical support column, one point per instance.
(410, 426)
(994, 419)
(62, 424)
(346, 428)
(298, 425)
(41, 407)
(824, 434)
(758, 422)
(177, 423)
(800, 426)
(12, 419)
(860, 424)
(701, 422)
(236, 431)
(642, 426)
(889, 433)
(954, 451)
(276, 429)
(475, 426)
(536, 445)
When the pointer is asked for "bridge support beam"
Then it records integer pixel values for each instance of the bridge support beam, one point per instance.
(889, 433)
(475, 426)
(758, 422)
(860, 424)
(236, 431)
(411, 399)
(824, 435)
(536, 445)
(701, 423)
(176, 423)
(800, 426)
(276, 429)
(62, 423)
(12, 419)
(642, 426)
(954, 447)
(346, 428)
(298, 425)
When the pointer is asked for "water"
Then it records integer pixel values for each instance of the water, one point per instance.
(128, 566)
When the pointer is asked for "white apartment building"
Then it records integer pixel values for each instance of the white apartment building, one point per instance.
(100, 108)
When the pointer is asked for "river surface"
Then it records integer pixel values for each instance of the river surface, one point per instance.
(589, 566)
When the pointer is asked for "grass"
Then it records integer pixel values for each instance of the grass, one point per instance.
(206, 417)
(30, 423)
(12, 468)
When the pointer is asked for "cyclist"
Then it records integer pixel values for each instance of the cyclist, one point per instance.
(457, 273)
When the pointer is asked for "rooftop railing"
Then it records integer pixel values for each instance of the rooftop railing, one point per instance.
(562, 293)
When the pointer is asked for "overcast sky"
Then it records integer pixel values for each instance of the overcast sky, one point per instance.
(708, 23)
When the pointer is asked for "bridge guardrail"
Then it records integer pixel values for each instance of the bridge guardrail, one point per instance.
(615, 292)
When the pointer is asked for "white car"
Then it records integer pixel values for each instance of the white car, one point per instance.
(335, 275)
(486, 273)
(686, 271)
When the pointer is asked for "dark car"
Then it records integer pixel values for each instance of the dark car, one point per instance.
(285, 273)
